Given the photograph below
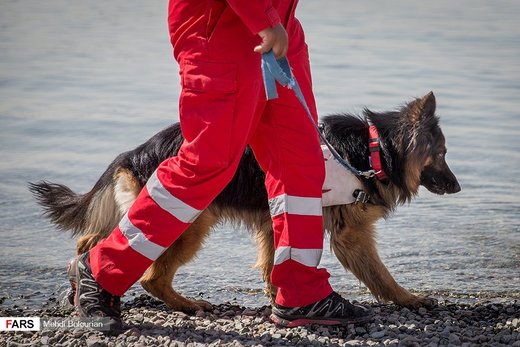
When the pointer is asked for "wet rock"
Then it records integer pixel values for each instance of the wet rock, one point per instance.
(454, 339)
(228, 313)
(377, 334)
(249, 312)
(94, 341)
(360, 330)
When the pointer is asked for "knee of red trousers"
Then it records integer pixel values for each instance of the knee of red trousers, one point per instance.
(194, 183)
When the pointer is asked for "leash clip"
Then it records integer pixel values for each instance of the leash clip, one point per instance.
(370, 173)
(361, 196)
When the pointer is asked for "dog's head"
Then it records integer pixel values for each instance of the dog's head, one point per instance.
(426, 149)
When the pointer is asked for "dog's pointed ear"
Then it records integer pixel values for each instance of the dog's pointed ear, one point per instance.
(422, 108)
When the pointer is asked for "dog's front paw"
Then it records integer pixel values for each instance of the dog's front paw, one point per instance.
(428, 302)
(420, 301)
(204, 305)
(189, 306)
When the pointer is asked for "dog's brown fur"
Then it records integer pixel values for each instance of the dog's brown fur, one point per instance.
(413, 155)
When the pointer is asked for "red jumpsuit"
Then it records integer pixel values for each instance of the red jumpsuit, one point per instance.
(223, 108)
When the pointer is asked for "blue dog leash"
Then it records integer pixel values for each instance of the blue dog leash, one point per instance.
(280, 71)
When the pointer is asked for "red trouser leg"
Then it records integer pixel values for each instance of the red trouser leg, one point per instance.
(287, 147)
(216, 119)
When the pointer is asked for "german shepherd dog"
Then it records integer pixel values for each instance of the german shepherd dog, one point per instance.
(412, 153)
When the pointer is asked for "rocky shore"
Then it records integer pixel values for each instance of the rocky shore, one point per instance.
(148, 322)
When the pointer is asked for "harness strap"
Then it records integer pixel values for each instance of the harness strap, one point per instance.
(375, 152)
(280, 71)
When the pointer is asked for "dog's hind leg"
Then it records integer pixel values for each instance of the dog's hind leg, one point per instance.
(355, 247)
(265, 257)
(158, 278)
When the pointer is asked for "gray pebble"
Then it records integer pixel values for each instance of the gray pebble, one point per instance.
(77, 333)
(94, 342)
(378, 334)
(454, 339)
(389, 342)
(422, 311)
(228, 313)
(249, 312)
(409, 341)
(360, 330)
(47, 332)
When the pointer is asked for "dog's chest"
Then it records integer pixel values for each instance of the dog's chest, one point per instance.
(340, 184)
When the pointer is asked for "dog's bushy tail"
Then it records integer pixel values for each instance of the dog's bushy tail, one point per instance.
(94, 212)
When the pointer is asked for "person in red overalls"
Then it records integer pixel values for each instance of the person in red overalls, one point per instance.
(222, 109)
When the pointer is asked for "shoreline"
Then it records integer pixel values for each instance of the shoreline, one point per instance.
(149, 322)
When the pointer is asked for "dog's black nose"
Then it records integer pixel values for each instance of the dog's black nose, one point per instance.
(454, 188)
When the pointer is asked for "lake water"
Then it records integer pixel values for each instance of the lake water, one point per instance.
(81, 82)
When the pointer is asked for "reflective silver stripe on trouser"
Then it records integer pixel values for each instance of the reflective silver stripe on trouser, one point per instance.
(177, 208)
(307, 257)
(138, 241)
(295, 205)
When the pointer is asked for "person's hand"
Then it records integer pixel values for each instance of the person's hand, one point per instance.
(274, 38)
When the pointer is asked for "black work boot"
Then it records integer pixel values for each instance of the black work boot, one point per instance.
(94, 305)
(333, 310)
